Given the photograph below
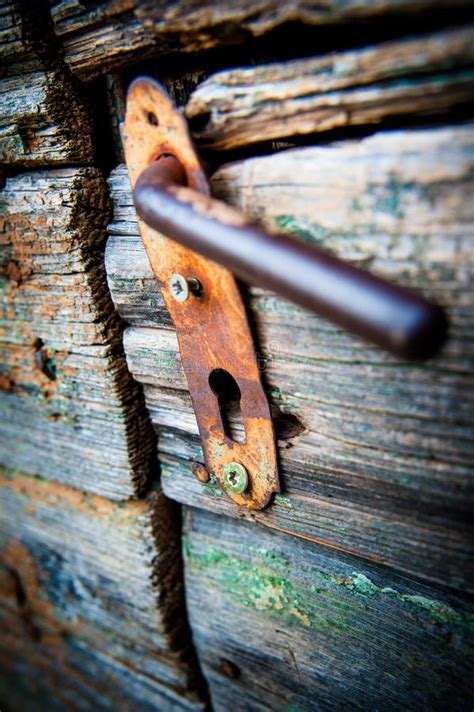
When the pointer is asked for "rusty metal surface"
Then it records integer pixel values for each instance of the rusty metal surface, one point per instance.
(212, 329)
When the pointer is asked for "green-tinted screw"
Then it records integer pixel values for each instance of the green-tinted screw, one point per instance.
(235, 478)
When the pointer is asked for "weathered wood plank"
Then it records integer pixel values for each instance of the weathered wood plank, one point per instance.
(23, 26)
(12, 42)
(295, 627)
(91, 601)
(382, 463)
(98, 38)
(44, 120)
(69, 409)
(364, 86)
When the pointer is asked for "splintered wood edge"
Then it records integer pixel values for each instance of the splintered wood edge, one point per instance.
(154, 127)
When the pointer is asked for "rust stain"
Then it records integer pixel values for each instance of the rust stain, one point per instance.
(19, 584)
(212, 330)
(58, 495)
(18, 233)
(14, 272)
(16, 230)
(24, 372)
(6, 383)
(229, 669)
(26, 240)
(10, 223)
(32, 632)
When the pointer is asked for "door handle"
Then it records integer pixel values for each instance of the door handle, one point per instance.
(194, 244)
(393, 317)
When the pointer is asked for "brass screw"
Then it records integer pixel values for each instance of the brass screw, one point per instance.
(236, 479)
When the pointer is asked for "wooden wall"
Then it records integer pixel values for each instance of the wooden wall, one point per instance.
(91, 589)
(354, 588)
(375, 454)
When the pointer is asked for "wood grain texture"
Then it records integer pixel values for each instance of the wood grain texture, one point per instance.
(23, 30)
(44, 119)
(364, 86)
(376, 454)
(295, 627)
(12, 36)
(105, 36)
(69, 409)
(91, 601)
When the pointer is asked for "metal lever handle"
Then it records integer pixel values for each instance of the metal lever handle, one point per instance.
(394, 318)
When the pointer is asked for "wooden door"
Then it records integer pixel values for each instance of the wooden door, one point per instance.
(127, 582)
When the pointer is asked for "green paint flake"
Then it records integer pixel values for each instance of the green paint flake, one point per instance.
(300, 227)
(260, 578)
(212, 487)
(166, 359)
(286, 403)
(326, 238)
(257, 586)
(360, 583)
(273, 558)
(437, 610)
(388, 198)
(441, 612)
(283, 501)
(356, 205)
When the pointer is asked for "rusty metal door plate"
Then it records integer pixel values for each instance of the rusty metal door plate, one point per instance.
(204, 302)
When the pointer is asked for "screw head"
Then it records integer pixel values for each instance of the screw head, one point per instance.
(236, 479)
(200, 472)
(179, 287)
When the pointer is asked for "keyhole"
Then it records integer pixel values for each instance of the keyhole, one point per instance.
(226, 389)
